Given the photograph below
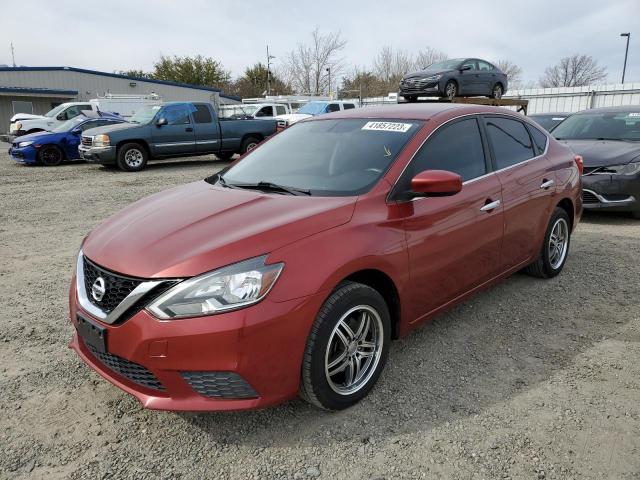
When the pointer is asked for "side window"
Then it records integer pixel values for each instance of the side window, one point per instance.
(456, 147)
(333, 107)
(471, 64)
(280, 110)
(201, 114)
(539, 139)
(176, 114)
(349, 106)
(484, 66)
(510, 141)
(265, 112)
(93, 124)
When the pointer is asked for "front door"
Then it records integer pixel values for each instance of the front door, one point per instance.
(527, 188)
(469, 78)
(177, 136)
(453, 242)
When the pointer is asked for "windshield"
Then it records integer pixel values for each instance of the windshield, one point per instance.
(234, 111)
(69, 124)
(445, 65)
(313, 108)
(603, 125)
(55, 111)
(341, 157)
(145, 114)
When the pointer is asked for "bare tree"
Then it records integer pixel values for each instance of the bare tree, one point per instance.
(390, 65)
(512, 71)
(426, 57)
(306, 66)
(573, 71)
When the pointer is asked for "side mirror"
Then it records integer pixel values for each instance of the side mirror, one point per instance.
(161, 121)
(436, 183)
(76, 131)
(465, 67)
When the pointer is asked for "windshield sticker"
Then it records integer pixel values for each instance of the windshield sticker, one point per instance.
(558, 118)
(387, 126)
(634, 114)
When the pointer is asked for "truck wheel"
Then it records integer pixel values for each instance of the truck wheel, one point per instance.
(224, 155)
(249, 144)
(132, 157)
(50, 156)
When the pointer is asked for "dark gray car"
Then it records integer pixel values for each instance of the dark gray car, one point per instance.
(548, 121)
(452, 78)
(608, 139)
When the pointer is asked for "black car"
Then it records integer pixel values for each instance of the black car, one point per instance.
(609, 141)
(453, 78)
(548, 121)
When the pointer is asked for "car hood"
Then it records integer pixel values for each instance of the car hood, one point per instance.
(425, 73)
(198, 227)
(603, 153)
(41, 137)
(293, 117)
(110, 128)
(26, 116)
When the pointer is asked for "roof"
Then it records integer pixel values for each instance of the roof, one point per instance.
(117, 75)
(622, 108)
(39, 91)
(416, 111)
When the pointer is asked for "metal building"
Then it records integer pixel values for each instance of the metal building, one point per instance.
(38, 89)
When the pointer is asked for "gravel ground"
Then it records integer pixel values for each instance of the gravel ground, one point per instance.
(531, 379)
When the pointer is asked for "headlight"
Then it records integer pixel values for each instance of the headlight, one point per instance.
(432, 78)
(628, 169)
(24, 144)
(236, 286)
(101, 141)
(18, 125)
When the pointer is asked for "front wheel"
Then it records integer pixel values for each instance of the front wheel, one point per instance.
(347, 347)
(132, 157)
(50, 156)
(451, 90)
(555, 247)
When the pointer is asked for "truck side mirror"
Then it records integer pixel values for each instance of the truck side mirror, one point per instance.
(465, 67)
(161, 121)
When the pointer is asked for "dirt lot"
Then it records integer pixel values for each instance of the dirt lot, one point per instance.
(531, 379)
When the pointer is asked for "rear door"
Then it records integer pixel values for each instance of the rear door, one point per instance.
(205, 127)
(453, 241)
(487, 77)
(528, 187)
(177, 136)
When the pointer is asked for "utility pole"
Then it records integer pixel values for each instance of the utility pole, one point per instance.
(13, 55)
(626, 52)
(329, 74)
(269, 57)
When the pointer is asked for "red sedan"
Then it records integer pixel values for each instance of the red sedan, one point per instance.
(291, 271)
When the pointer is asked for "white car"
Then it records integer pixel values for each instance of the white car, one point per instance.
(312, 109)
(254, 110)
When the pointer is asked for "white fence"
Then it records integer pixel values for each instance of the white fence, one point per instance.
(574, 99)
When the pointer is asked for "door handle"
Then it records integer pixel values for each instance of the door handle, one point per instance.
(188, 129)
(490, 206)
(547, 184)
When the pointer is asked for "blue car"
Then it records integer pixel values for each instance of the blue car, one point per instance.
(52, 148)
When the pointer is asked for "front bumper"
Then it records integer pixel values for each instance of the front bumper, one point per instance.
(25, 155)
(104, 155)
(262, 344)
(617, 193)
(423, 89)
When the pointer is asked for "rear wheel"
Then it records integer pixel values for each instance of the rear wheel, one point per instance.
(347, 347)
(132, 157)
(451, 90)
(555, 247)
(50, 156)
(249, 144)
(497, 91)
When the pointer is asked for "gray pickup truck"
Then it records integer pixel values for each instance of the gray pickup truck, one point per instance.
(173, 129)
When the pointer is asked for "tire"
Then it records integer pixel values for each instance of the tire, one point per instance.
(497, 91)
(50, 156)
(132, 157)
(451, 90)
(411, 98)
(249, 144)
(224, 155)
(548, 265)
(366, 347)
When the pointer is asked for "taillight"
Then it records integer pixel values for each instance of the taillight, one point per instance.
(579, 163)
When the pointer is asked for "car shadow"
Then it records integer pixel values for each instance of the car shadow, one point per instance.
(491, 348)
(608, 218)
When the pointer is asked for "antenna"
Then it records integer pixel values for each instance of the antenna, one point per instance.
(13, 55)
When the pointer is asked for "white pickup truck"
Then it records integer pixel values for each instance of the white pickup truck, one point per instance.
(123, 105)
(254, 110)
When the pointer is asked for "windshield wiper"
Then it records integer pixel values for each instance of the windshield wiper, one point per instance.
(615, 139)
(267, 186)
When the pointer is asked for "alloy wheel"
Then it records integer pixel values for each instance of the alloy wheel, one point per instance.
(133, 157)
(451, 90)
(497, 91)
(558, 243)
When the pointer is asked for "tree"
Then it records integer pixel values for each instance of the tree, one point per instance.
(573, 71)
(362, 81)
(196, 70)
(426, 57)
(512, 71)
(253, 83)
(306, 66)
(136, 73)
(390, 66)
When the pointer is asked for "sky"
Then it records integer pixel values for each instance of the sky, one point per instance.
(122, 35)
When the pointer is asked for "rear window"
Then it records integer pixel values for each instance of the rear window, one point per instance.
(339, 157)
(349, 106)
(539, 139)
(510, 141)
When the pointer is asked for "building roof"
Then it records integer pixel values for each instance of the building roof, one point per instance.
(38, 91)
(117, 75)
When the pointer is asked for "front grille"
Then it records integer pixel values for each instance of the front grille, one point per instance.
(416, 85)
(116, 287)
(87, 141)
(129, 370)
(589, 197)
(219, 384)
